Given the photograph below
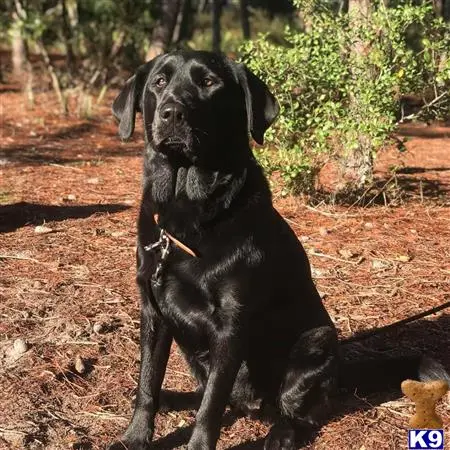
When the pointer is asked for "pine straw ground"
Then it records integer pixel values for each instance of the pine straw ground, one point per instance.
(373, 265)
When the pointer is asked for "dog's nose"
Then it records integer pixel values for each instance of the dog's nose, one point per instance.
(172, 114)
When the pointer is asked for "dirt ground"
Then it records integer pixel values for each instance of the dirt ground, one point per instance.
(69, 292)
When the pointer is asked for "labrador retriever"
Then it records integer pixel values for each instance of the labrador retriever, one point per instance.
(219, 270)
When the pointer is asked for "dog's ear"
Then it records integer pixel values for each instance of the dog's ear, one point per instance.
(261, 105)
(128, 102)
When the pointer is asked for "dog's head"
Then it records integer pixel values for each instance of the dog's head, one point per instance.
(195, 104)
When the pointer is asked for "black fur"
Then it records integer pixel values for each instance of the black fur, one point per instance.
(245, 312)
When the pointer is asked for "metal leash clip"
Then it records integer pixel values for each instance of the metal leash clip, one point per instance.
(163, 240)
(163, 243)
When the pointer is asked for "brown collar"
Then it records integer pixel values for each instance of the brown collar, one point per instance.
(178, 243)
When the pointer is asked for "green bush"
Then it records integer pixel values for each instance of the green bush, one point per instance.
(340, 86)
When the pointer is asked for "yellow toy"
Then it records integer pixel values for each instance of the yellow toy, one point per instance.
(425, 396)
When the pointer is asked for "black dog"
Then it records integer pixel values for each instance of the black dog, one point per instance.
(219, 270)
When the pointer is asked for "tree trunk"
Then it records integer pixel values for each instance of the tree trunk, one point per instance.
(358, 162)
(117, 45)
(178, 29)
(245, 19)
(22, 69)
(216, 29)
(184, 27)
(163, 31)
(305, 20)
(202, 6)
(72, 13)
(19, 51)
(359, 11)
(68, 38)
(439, 6)
(53, 76)
(342, 6)
(359, 8)
(447, 10)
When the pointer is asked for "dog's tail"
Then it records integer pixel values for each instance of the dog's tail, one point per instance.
(376, 374)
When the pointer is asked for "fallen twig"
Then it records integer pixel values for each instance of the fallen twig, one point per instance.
(423, 108)
(11, 431)
(22, 258)
(376, 331)
(105, 416)
(62, 166)
(328, 214)
(323, 255)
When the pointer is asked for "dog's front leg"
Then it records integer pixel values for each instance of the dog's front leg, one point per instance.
(225, 360)
(155, 347)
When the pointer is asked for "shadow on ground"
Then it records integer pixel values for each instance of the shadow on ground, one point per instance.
(424, 132)
(413, 170)
(31, 155)
(63, 145)
(427, 337)
(39, 154)
(415, 186)
(20, 214)
(391, 190)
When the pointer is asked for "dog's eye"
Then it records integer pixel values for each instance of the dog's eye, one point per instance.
(207, 82)
(160, 81)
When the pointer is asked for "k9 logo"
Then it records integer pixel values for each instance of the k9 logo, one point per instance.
(426, 439)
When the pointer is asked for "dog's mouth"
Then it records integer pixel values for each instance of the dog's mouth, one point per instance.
(173, 143)
(177, 150)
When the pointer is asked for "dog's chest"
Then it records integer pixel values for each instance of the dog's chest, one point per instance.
(188, 307)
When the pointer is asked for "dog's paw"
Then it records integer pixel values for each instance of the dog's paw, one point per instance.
(281, 437)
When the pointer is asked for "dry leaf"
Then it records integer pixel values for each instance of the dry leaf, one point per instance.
(98, 327)
(378, 264)
(42, 229)
(80, 367)
(20, 346)
(69, 198)
(345, 253)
